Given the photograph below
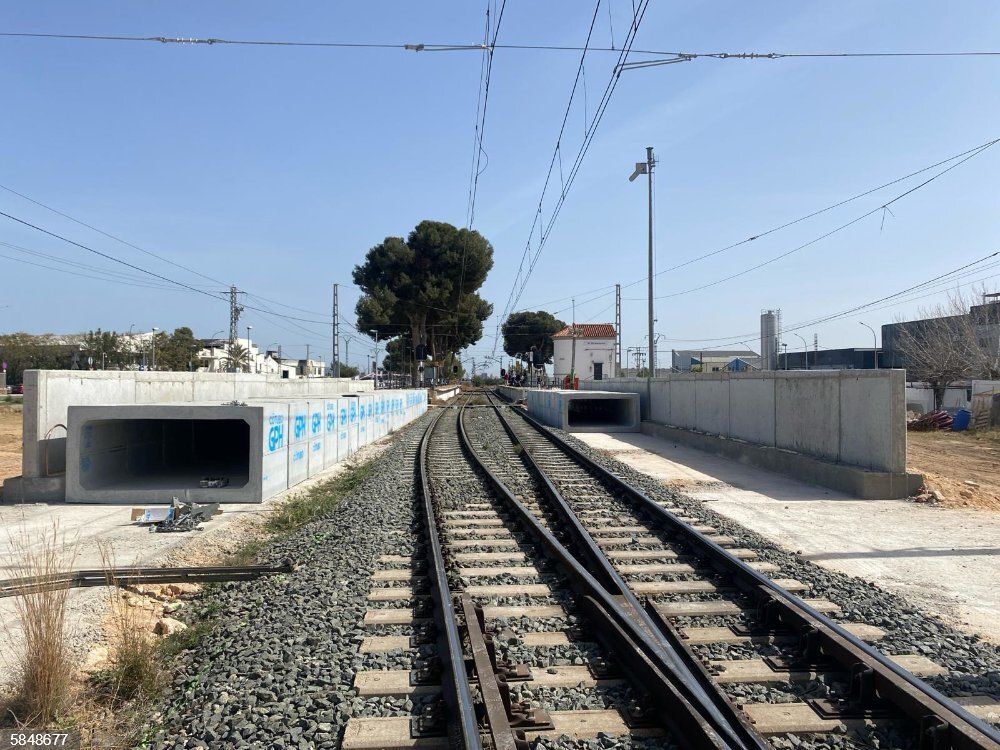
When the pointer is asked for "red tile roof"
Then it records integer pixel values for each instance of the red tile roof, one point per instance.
(587, 331)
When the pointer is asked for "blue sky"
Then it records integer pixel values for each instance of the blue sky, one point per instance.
(276, 168)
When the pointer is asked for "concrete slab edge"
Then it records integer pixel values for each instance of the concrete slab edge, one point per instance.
(853, 480)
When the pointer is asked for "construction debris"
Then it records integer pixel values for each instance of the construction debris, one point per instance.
(179, 516)
(932, 420)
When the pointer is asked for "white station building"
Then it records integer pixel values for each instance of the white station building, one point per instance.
(595, 351)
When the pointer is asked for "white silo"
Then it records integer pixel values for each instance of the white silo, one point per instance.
(770, 338)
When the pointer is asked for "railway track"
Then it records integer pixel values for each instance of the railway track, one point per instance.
(550, 602)
(483, 583)
(687, 573)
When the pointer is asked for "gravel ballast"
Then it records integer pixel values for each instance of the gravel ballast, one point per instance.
(277, 668)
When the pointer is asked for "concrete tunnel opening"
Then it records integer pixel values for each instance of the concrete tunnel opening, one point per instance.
(165, 454)
(602, 412)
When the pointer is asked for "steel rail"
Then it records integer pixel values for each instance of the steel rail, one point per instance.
(943, 722)
(78, 579)
(617, 628)
(463, 727)
(725, 716)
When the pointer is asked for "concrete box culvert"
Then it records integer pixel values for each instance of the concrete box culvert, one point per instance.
(585, 411)
(154, 453)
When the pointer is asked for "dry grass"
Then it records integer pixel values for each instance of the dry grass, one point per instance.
(133, 660)
(44, 669)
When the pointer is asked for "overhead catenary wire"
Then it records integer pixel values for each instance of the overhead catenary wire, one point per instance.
(479, 46)
(523, 275)
(481, 116)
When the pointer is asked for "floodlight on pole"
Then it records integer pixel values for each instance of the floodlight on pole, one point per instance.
(640, 168)
(646, 168)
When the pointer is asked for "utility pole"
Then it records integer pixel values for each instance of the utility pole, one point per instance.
(307, 361)
(234, 321)
(347, 351)
(572, 356)
(618, 330)
(376, 358)
(650, 162)
(335, 365)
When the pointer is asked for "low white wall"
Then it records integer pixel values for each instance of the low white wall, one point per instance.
(854, 417)
(955, 397)
(48, 394)
(446, 393)
(511, 393)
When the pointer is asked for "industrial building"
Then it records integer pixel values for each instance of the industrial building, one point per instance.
(587, 349)
(715, 360)
(850, 358)
(983, 321)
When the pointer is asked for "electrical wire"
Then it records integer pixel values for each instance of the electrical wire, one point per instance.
(758, 235)
(109, 235)
(481, 125)
(161, 277)
(937, 283)
(520, 281)
(475, 47)
(825, 235)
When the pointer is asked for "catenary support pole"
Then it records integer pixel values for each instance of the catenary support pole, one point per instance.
(335, 365)
(618, 330)
(650, 162)
(572, 357)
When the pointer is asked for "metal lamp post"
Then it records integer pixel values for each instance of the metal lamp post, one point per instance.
(646, 168)
(805, 348)
(153, 343)
(249, 366)
(874, 340)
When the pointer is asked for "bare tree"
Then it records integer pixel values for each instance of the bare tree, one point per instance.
(949, 344)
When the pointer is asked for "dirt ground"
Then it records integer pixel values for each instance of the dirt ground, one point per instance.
(963, 467)
(10, 441)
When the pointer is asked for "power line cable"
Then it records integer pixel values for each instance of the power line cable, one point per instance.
(758, 235)
(109, 235)
(825, 235)
(943, 279)
(213, 295)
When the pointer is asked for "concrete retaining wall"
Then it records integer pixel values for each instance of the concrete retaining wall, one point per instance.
(49, 393)
(512, 394)
(855, 417)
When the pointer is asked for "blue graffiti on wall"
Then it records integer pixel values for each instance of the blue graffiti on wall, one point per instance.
(343, 416)
(276, 433)
(317, 422)
(331, 420)
(300, 425)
